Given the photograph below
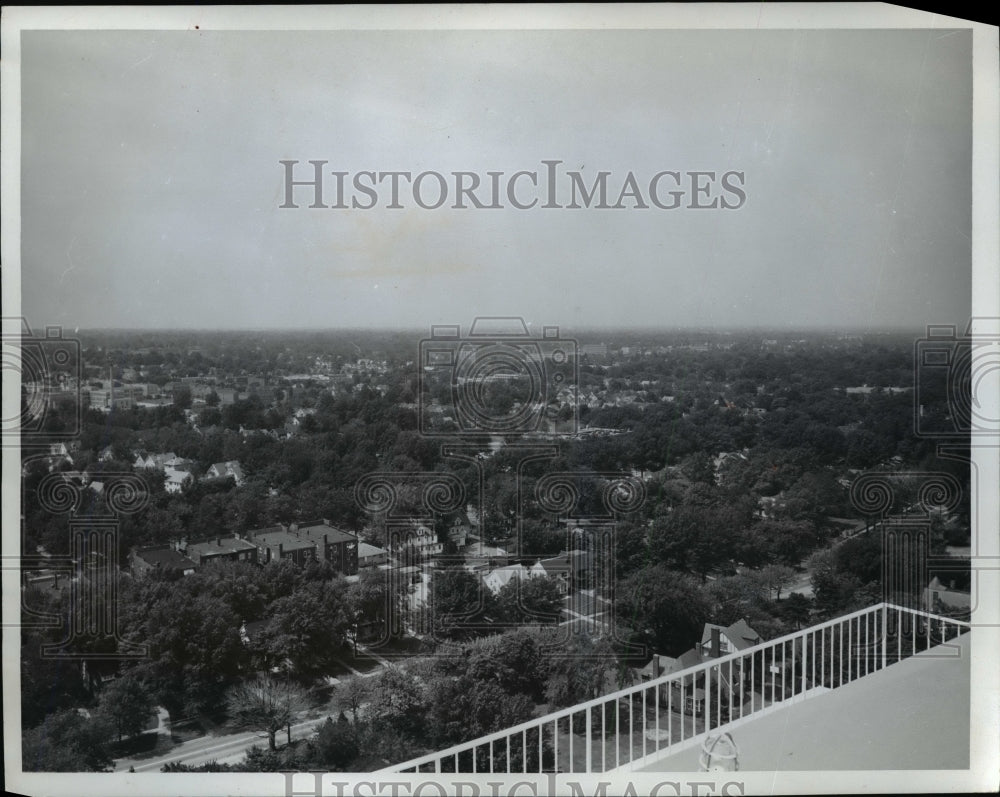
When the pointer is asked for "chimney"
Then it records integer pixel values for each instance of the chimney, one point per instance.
(281, 550)
(715, 652)
(218, 541)
(324, 541)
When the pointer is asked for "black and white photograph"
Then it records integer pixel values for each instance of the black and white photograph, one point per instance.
(561, 400)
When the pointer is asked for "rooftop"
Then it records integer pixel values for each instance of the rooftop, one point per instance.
(913, 715)
(316, 529)
(364, 549)
(882, 688)
(220, 545)
(289, 540)
(165, 557)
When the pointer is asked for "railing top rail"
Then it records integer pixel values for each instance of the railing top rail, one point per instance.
(929, 615)
(661, 680)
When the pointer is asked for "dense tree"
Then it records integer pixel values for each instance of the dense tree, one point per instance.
(398, 701)
(126, 705)
(335, 745)
(833, 589)
(796, 609)
(193, 641)
(579, 671)
(514, 661)
(307, 628)
(460, 709)
(68, 741)
(459, 603)
(530, 600)
(667, 609)
(182, 397)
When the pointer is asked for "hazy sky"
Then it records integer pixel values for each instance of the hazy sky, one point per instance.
(151, 177)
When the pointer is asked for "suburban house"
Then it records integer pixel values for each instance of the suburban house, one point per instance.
(159, 558)
(146, 461)
(459, 534)
(692, 691)
(371, 555)
(231, 549)
(177, 480)
(225, 470)
(419, 537)
(939, 598)
(227, 395)
(717, 640)
(497, 579)
(569, 568)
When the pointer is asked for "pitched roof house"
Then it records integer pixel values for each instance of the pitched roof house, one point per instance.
(738, 636)
(225, 470)
(497, 579)
(177, 480)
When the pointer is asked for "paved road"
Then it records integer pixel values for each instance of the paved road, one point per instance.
(223, 749)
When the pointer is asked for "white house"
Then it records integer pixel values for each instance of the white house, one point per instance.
(223, 470)
(177, 480)
(497, 579)
(420, 537)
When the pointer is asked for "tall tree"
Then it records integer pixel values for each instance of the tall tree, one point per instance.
(460, 602)
(531, 600)
(267, 704)
(126, 703)
(307, 627)
(666, 608)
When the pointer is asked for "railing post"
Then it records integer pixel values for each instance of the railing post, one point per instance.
(708, 701)
(590, 741)
(885, 633)
(805, 658)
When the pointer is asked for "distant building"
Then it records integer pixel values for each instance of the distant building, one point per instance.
(159, 558)
(339, 548)
(222, 549)
(226, 470)
(177, 481)
(569, 568)
(497, 579)
(277, 542)
(227, 395)
(729, 639)
(308, 541)
(371, 555)
(421, 538)
(147, 461)
(939, 599)
(716, 641)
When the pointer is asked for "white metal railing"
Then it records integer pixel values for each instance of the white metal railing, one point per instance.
(641, 723)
